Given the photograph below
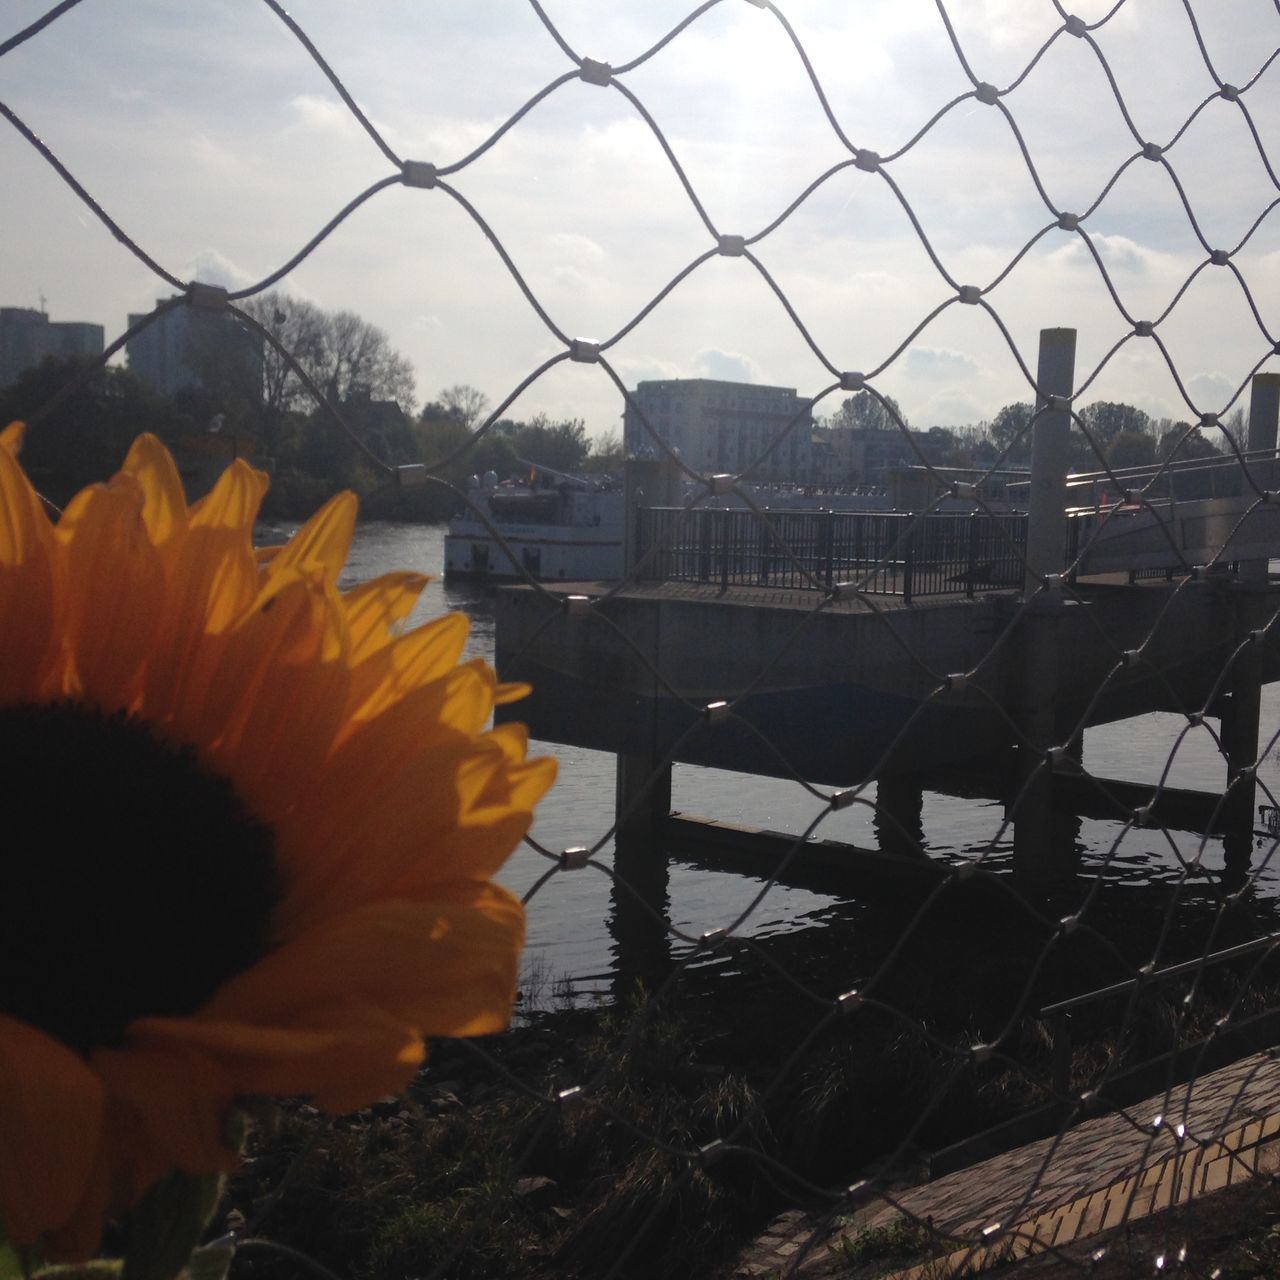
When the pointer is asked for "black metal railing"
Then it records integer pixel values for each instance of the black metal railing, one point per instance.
(882, 552)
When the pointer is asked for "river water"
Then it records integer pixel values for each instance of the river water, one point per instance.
(569, 939)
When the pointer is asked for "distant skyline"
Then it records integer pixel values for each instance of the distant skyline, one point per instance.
(211, 137)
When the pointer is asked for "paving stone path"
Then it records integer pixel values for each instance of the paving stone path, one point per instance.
(1218, 1131)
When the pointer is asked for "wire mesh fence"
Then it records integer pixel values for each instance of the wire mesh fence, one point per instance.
(1022, 988)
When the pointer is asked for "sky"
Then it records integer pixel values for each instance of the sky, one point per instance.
(211, 137)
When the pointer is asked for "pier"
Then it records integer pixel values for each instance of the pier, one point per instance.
(973, 659)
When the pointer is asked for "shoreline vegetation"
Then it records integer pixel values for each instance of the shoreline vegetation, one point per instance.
(480, 1172)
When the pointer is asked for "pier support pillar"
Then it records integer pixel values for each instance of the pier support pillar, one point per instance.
(640, 916)
(1037, 846)
(1241, 717)
(642, 799)
(899, 815)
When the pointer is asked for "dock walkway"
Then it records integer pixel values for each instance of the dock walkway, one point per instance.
(1097, 1176)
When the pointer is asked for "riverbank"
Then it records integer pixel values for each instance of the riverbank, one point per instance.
(657, 1134)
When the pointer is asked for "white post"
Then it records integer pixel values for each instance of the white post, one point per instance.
(1050, 454)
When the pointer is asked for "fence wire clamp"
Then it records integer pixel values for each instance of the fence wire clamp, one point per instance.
(987, 94)
(732, 246)
(1132, 657)
(850, 1002)
(593, 72)
(1152, 151)
(584, 351)
(856, 1192)
(969, 294)
(411, 475)
(1220, 257)
(842, 591)
(842, 799)
(1200, 573)
(867, 161)
(957, 682)
(1076, 26)
(1141, 816)
(966, 872)
(573, 1099)
(964, 490)
(577, 606)
(1209, 420)
(1270, 497)
(712, 938)
(1068, 221)
(719, 485)
(712, 1153)
(206, 297)
(1144, 329)
(419, 173)
(1195, 719)
(853, 381)
(1229, 92)
(575, 858)
(1258, 637)
(1058, 404)
(992, 1230)
(715, 712)
(1068, 925)
(980, 1053)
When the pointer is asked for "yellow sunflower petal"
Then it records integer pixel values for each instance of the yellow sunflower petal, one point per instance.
(11, 438)
(376, 607)
(27, 574)
(427, 653)
(108, 556)
(50, 1122)
(444, 968)
(323, 541)
(164, 508)
(179, 1096)
(357, 1055)
(233, 502)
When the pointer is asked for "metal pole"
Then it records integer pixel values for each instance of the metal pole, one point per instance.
(1050, 453)
(1242, 715)
(1264, 411)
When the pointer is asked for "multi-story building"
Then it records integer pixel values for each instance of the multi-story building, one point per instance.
(190, 348)
(724, 426)
(27, 336)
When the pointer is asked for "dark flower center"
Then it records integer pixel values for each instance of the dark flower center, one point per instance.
(133, 882)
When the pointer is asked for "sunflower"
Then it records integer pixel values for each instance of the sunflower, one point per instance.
(256, 825)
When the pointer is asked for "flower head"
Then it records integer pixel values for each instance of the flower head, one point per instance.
(256, 830)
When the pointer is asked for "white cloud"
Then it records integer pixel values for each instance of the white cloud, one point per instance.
(934, 363)
(211, 267)
(727, 366)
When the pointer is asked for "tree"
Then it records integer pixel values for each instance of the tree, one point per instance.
(1131, 449)
(562, 446)
(1107, 419)
(341, 353)
(85, 437)
(865, 411)
(1011, 431)
(1184, 443)
(464, 403)
(606, 453)
(299, 327)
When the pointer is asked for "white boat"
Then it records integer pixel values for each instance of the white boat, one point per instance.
(556, 527)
